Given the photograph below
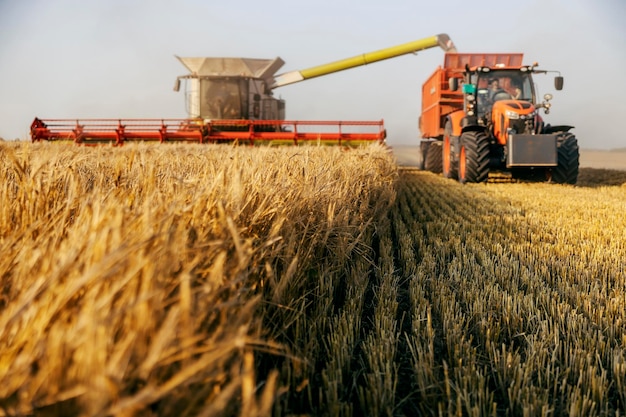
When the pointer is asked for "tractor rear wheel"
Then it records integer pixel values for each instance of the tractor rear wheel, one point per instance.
(450, 169)
(432, 160)
(566, 172)
(474, 157)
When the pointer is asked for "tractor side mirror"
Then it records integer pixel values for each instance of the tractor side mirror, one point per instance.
(453, 84)
(558, 82)
(177, 84)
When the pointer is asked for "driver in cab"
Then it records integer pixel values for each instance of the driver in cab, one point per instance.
(494, 87)
(494, 92)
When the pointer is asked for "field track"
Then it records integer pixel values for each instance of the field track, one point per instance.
(492, 300)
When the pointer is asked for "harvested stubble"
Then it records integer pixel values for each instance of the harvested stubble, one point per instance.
(180, 280)
(520, 292)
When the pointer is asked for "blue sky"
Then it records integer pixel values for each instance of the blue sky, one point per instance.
(113, 58)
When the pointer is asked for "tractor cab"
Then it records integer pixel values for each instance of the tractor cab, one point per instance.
(502, 99)
(500, 85)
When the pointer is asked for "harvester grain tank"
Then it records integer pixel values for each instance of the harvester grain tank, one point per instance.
(231, 88)
(480, 113)
(231, 99)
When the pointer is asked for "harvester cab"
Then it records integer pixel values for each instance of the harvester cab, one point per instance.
(481, 113)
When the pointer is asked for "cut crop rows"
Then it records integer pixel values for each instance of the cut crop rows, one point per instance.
(518, 295)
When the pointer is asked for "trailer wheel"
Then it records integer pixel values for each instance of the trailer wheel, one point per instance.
(566, 172)
(424, 145)
(450, 169)
(433, 161)
(474, 157)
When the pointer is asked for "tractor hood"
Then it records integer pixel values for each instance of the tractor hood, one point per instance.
(512, 115)
(517, 106)
(507, 113)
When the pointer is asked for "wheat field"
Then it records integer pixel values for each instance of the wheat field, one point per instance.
(234, 281)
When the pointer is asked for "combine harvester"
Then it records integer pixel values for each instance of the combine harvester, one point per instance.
(230, 100)
(480, 113)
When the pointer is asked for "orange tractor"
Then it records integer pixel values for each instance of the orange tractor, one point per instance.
(230, 100)
(480, 113)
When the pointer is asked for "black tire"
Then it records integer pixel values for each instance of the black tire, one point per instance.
(449, 160)
(474, 157)
(566, 172)
(424, 145)
(422, 154)
(433, 161)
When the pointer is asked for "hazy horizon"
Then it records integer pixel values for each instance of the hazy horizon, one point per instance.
(72, 59)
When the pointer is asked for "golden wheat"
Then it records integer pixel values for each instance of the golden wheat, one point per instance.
(214, 280)
(146, 277)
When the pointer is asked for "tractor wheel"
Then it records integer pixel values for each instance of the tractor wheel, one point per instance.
(474, 157)
(450, 168)
(433, 161)
(566, 172)
(422, 161)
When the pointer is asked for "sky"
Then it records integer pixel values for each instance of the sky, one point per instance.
(115, 58)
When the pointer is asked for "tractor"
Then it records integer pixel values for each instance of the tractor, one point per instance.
(481, 114)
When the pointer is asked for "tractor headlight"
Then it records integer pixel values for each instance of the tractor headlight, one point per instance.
(528, 116)
(511, 114)
(470, 104)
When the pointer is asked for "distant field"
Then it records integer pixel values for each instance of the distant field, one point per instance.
(408, 155)
(603, 159)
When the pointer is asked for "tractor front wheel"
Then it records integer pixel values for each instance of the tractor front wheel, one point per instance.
(474, 157)
(566, 172)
